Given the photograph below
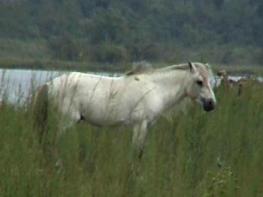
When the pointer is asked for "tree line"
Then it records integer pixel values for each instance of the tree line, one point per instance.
(224, 31)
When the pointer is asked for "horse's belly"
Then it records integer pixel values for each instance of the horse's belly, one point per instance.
(104, 115)
(104, 119)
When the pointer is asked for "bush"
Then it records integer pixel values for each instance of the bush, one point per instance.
(108, 53)
(65, 48)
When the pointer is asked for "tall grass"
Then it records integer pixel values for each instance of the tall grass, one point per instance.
(196, 154)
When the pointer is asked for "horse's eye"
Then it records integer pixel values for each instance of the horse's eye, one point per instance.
(199, 82)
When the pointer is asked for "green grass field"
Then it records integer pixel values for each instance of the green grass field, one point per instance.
(193, 154)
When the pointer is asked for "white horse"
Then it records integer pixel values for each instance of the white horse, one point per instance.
(136, 99)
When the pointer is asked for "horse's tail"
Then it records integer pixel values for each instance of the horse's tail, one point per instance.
(40, 111)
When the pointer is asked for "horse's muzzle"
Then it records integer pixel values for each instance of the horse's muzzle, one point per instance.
(208, 104)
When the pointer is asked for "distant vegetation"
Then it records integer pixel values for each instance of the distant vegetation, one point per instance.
(121, 31)
(194, 154)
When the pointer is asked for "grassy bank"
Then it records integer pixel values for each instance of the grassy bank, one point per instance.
(38, 54)
(196, 154)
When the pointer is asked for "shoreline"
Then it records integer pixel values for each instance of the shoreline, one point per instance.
(50, 65)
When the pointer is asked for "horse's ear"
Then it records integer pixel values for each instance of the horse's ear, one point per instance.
(191, 67)
(207, 65)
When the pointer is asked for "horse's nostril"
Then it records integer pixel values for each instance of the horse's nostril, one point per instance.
(208, 104)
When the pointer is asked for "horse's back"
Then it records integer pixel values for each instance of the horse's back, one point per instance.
(77, 82)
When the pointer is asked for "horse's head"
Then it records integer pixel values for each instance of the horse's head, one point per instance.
(199, 87)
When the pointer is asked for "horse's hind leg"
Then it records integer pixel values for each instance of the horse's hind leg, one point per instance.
(139, 135)
(70, 116)
(68, 119)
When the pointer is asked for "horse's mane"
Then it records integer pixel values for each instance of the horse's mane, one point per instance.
(139, 68)
(183, 66)
(145, 67)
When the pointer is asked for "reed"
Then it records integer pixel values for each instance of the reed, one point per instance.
(192, 154)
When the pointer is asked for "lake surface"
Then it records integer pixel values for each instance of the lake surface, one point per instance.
(16, 84)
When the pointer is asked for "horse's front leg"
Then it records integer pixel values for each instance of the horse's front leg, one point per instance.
(139, 135)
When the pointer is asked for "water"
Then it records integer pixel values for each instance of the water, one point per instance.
(216, 82)
(17, 84)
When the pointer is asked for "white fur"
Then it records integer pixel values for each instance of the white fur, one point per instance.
(135, 100)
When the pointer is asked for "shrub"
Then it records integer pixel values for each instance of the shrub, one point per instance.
(108, 53)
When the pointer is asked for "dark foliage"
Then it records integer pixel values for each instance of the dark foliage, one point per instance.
(137, 29)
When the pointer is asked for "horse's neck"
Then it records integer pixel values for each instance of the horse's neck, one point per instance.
(172, 86)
